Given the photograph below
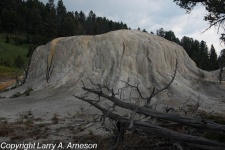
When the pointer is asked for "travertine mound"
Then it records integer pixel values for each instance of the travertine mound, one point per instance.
(124, 55)
(112, 56)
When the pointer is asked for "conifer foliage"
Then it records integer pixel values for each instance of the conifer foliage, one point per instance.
(45, 22)
(198, 51)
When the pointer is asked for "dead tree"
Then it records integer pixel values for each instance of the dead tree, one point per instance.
(146, 126)
(222, 64)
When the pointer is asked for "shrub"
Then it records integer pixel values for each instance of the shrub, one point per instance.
(18, 94)
(27, 92)
(7, 39)
(19, 62)
(18, 40)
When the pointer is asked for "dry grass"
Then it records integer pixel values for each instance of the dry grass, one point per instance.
(4, 85)
(21, 131)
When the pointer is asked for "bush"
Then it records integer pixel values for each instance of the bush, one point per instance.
(7, 62)
(19, 62)
(7, 39)
(18, 94)
(27, 92)
(18, 40)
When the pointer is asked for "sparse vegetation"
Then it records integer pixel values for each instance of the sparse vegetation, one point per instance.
(90, 132)
(23, 129)
(5, 129)
(26, 93)
(9, 73)
(18, 94)
(55, 119)
(9, 52)
(201, 74)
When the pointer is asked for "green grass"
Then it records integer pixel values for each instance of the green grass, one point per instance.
(9, 51)
(8, 72)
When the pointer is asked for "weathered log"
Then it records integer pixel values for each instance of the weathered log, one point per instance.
(193, 122)
(148, 128)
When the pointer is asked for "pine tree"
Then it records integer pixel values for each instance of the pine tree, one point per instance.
(160, 32)
(213, 59)
(69, 25)
(60, 13)
(50, 22)
(169, 35)
(203, 56)
(144, 31)
(90, 23)
(187, 43)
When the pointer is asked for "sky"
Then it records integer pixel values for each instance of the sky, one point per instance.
(152, 15)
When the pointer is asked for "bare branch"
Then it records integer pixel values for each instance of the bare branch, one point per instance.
(209, 126)
(166, 87)
(150, 128)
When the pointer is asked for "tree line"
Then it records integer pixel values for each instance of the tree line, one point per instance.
(38, 23)
(44, 22)
(198, 51)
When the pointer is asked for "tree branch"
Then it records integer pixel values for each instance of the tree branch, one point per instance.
(154, 129)
(207, 125)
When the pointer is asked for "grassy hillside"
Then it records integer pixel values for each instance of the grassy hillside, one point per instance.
(9, 73)
(8, 76)
(10, 51)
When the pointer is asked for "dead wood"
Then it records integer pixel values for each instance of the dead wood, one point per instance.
(193, 122)
(148, 128)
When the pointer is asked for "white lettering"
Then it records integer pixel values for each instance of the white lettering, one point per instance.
(46, 146)
(60, 146)
(3, 145)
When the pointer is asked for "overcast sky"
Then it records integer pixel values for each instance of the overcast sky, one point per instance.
(151, 15)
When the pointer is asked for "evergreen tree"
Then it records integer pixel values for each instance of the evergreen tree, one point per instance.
(91, 23)
(144, 31)
(203, 56)
(82, 18)
(35, 22)
(50, 22)
(69, 25)
(45, 22)
(213, 59)
(61, 13)
(195, 52)
(169, 35)
(51, 4)
(187, 44)
(160, 32)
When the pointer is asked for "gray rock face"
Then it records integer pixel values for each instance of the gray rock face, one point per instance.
(124, 55)
(112, 56)
(121, 55)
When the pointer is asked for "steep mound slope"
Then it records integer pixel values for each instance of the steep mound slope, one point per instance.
(58, 67)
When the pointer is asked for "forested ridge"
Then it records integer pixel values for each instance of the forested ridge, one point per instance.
(35, 23)
(44, 22)
(204, 57)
